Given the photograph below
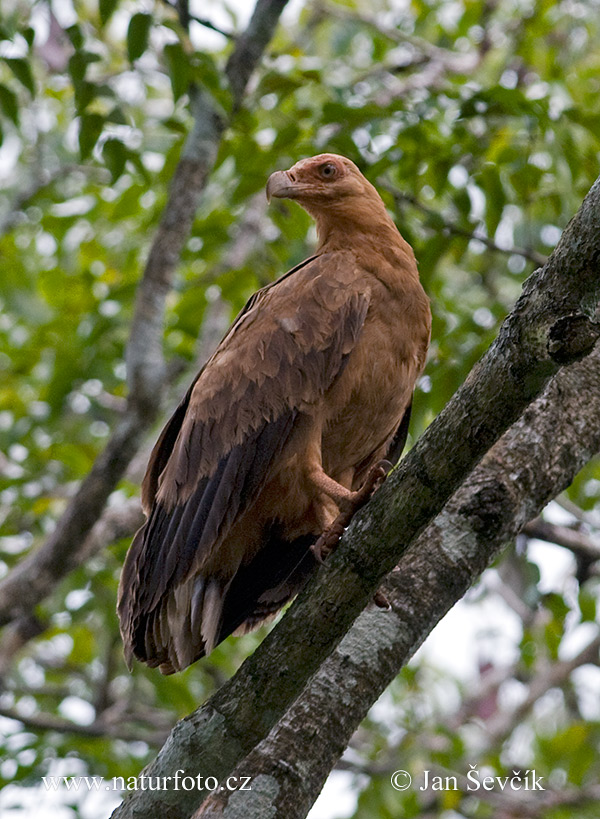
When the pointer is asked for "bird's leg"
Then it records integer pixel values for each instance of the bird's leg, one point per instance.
(348, 502)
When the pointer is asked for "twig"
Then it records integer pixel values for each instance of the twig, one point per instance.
(578, 542)
(591, 517)
(15, 636)
(496, 583)
(511, 804)
(44, 180)
(396, 35)
(98, 728)
(452, 227)
(554, 676)
(200, 20)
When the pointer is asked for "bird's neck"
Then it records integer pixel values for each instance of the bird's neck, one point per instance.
(346, 220)
(338, 233)
(371, 237)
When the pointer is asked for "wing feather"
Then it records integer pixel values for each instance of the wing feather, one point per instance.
(283, 352)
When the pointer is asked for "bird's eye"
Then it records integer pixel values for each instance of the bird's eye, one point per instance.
(328, 171)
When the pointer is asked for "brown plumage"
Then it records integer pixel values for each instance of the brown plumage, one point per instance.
(306, 392)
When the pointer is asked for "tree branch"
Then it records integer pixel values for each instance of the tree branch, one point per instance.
(581, 544)
(201, 21)
(553, 676)
(531, 463)
(37, 574)
(433, 63)
(457, 230)
(543, 333)
(43, 179)
(98, 728)
(251, 44)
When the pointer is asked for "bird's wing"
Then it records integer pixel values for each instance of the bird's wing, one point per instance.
(285, 349)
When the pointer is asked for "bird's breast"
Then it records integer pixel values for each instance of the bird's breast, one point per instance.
(366, 404)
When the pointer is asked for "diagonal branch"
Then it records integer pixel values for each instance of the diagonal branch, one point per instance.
(555, 675)
(98, 728)
(543, 333)
(35, 576)
(582, 545)
(457, 230)
(530, 464)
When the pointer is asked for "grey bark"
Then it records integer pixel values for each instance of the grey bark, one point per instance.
(535, 460)
(553, 324)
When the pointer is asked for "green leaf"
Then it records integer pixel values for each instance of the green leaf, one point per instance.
(175, 125)
(137, 35)
(495, 198)
(179, 68)
(8, 103)
(75, 36)
(462, 202)
(136, 160)
(89, 130)
(106, 8)
(587, 606)
(29, 35)
(117, 116)
(85, 92)
(114, 154)
(77, 67)
(557, 605)
(22, 71)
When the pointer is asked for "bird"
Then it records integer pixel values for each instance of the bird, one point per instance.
(288, 428)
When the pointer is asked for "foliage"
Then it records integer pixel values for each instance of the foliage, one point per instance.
(480, 124)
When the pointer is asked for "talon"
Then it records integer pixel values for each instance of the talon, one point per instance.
(317, 550)
(381, 601)
(379, 473)
(329, 540)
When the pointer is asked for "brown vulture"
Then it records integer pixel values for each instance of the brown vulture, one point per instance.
(309, 389)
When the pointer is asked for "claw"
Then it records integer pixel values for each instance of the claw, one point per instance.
(381, 601)
(330, 538)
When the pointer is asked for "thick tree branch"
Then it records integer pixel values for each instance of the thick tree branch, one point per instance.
(543, 332)
(251, 44)
(535, 460)
(38, 573)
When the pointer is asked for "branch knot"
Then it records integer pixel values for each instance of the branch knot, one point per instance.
(571, 338)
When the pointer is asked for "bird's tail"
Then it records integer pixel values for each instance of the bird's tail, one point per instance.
(262, 587)
(203, 611)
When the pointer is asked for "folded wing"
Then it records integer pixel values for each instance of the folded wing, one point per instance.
(284, 351)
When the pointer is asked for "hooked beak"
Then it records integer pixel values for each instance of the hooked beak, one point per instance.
(280, 186)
